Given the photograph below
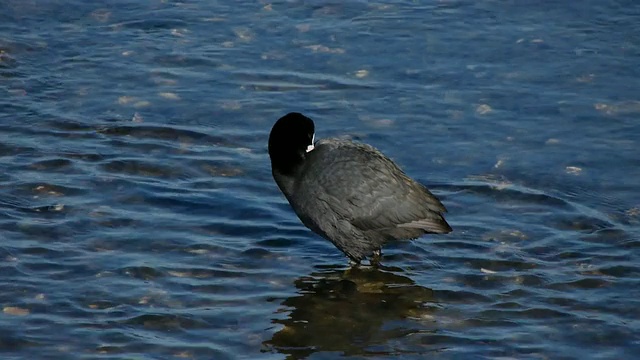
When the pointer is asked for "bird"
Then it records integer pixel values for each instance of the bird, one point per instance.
(348, 192)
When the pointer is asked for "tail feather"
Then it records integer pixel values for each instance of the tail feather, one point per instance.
(432, 225)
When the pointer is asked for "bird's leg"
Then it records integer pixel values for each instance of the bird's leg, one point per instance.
(375, 259)
(353, 265)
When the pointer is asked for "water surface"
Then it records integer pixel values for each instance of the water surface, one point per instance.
(139, 219)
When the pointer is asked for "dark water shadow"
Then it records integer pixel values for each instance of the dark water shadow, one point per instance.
(360, 311)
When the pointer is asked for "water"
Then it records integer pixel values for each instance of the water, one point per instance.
(139, 219)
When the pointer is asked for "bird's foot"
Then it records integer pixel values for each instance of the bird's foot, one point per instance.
(375, 259)
(354, 263)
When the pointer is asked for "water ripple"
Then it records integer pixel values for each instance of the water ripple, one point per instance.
(139, 218)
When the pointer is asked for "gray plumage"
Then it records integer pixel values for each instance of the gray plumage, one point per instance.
(348, 192)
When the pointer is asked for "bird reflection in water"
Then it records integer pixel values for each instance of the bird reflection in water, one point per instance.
(360, 311)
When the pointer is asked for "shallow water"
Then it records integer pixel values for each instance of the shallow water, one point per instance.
(139, 219)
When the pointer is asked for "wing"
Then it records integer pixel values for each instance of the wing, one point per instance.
(363, 186)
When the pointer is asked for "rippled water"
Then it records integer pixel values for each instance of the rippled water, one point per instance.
(139, 219)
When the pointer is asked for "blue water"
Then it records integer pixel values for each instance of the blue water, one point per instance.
(139, 219)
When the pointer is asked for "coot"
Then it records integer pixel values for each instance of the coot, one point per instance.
(348, 192)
